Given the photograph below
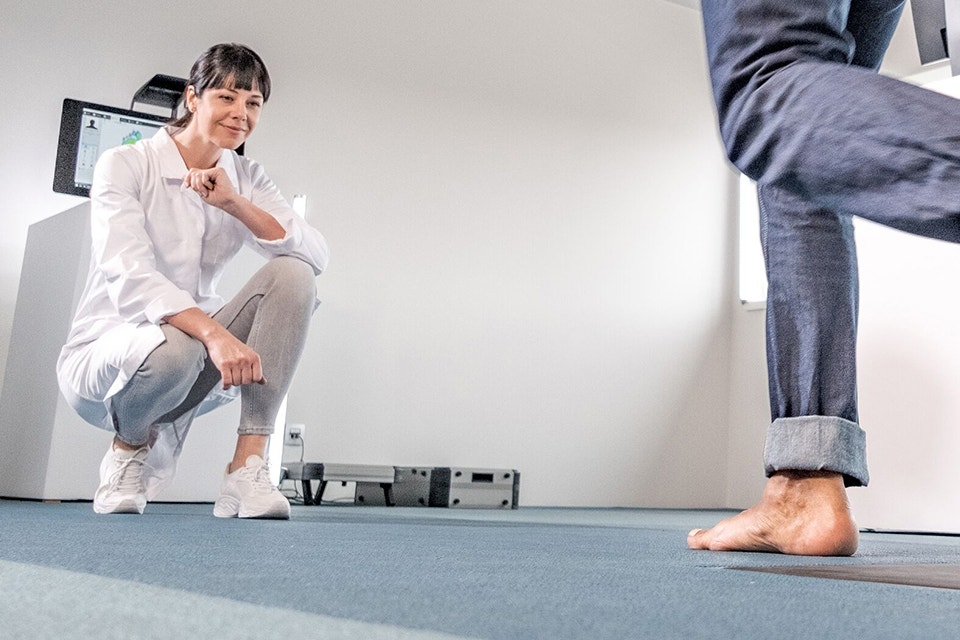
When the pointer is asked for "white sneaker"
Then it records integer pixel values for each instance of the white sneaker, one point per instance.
(248, 493)
(121, 487)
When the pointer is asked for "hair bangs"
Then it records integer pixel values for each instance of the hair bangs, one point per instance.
(232, 66)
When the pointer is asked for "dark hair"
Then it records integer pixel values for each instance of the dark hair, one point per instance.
(221, 63)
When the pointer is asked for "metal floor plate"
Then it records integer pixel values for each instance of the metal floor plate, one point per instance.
(937, 576)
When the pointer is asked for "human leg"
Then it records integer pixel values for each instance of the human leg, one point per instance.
(801, 108)
(274, 321)
(272, 315)
(814, 445)
(812, 305)
(765, 56)
(162, 381)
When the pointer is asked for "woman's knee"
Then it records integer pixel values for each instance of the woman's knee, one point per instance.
(295, 277)
(162, 381)
(297, 269)
(180, 358)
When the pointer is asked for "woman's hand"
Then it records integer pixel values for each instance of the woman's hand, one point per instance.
(238, 363)
(213, 185)
(215, 188)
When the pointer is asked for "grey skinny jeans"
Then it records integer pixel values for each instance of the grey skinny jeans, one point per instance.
(271, 314)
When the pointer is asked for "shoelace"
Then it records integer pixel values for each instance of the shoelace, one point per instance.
(259, 478)
(128, 476)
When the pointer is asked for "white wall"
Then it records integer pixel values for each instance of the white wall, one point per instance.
(908, 360)
(909, 365)
(525, 203)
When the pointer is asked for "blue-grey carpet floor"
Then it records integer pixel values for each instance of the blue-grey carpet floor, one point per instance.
(377, 572)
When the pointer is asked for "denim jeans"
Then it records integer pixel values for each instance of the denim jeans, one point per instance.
(803, 112)
(271, 314)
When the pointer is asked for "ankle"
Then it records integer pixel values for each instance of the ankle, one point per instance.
(792, 484)
(239, 463)
(248, 445)
(120, 445)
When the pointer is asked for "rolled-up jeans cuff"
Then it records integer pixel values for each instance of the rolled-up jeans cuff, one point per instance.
(818, 443)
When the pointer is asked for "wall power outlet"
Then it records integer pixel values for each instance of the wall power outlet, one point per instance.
(294, 434)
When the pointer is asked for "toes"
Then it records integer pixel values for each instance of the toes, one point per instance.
(695, 539)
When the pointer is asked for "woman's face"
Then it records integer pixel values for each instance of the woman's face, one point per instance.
(225, 116)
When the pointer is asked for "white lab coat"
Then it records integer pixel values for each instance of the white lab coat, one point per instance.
(159, 249)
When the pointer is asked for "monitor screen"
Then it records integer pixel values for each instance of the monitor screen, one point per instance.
(86, 131)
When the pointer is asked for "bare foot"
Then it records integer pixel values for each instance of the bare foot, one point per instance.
(801, 513)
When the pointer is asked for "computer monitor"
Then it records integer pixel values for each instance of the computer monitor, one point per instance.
(86, 131)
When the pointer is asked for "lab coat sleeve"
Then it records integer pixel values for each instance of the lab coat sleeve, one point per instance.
(301, 240)
(122, 248)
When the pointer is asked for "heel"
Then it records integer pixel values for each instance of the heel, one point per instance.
(226, 507)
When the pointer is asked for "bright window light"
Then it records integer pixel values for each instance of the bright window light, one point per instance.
(275, 446)
(300, 205)
(753, 277)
